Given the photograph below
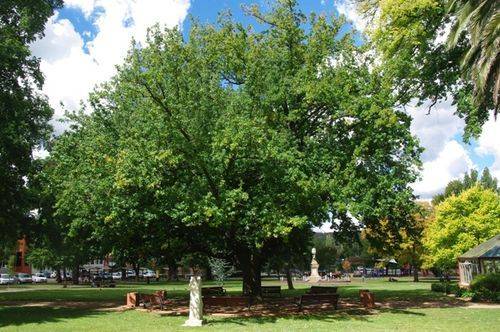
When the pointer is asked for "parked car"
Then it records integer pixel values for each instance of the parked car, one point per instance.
(117, 275)
(130, 274)
(6, 279)
(39, 278)
(149, 274)
(23, 278)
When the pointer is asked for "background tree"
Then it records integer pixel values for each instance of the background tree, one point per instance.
(411, 249)
(455, 187)
(431, 62)
(461, 223)
(24, 111)
(221, 269)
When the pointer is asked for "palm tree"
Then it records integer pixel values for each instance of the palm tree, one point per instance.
(479, 22)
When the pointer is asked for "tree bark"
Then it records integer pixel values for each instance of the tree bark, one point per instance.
(136, 269)
(172, 272)
(124, 274)
(415, 273)
(289, 280)
(251, 268)
(75, 278)
(58, 276)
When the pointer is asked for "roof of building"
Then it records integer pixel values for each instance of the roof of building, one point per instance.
(488, 249)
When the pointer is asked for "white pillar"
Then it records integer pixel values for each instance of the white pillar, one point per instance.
(195, 303)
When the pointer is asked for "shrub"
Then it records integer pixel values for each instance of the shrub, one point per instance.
(486, 287)
(438, 287)
(446, 287)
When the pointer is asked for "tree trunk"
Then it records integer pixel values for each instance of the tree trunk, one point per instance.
(76, 275)
(289, 280)
(65, 280)
(415, 274)
(172, 272)
(251, 268)
(124, 274)
(209, 275)
(136, 269)
(58, 276)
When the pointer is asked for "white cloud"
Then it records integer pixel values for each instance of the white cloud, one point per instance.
(348, 9)
(452, 162)
(435, 129)
(70, 72)
(489, 144)
(444, 158)
(87, 6)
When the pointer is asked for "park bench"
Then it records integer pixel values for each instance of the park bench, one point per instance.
(322, 290)
(158, 298)
(270, 291)
(227, 301)
(306, 299)
(213, 291)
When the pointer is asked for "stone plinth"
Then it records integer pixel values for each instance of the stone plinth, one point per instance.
(314, 271)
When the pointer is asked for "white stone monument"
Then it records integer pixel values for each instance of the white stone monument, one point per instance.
(195, 303)
(314, 278)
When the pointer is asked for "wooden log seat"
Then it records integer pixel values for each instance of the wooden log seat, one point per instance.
(158, 298)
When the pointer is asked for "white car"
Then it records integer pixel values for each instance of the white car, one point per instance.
(6, 279)
(149, 274)
(24, 278)
(39, 278)
(117, 275)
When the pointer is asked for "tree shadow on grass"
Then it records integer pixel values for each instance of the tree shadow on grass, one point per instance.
(344, 315)
(18, 316)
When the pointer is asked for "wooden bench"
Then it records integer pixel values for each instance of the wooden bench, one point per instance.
(227, 301)
(213, 291)
(318, 298)
(158, 298)
(322, 290)
(270, 291)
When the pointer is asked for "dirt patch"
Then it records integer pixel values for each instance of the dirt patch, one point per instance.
(483, 305)
(288, 306)
(270, 308)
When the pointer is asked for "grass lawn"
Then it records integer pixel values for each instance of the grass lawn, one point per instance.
(18, 317)
(404, 289)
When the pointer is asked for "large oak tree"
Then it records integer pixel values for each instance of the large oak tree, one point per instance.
(248, 134)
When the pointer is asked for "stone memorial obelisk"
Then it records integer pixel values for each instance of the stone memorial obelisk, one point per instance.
(314, 268)
(195, 303)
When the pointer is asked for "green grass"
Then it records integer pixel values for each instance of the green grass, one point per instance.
(403, 289)
(15, 317)
(64, 319)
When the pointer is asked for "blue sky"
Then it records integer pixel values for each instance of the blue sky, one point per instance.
(87, 38)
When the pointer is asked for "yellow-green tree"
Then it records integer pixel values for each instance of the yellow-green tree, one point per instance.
(461, 223)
